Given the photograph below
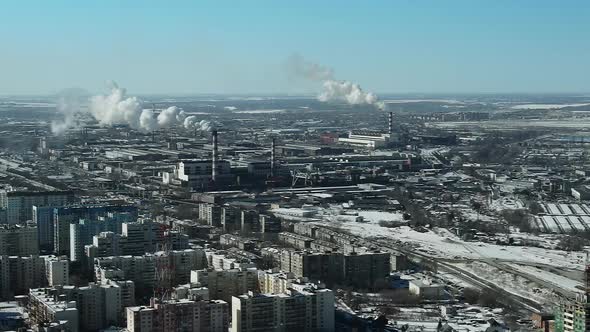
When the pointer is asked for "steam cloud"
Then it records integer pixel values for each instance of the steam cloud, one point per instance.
(333, 89)
(117, 108)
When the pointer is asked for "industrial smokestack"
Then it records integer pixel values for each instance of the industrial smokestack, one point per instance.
(390, 123)
(272, 158)
(214, 158)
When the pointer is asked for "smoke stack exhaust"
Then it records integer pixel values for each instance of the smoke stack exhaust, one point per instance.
(214, 158)
(272, 157)
(390, 123)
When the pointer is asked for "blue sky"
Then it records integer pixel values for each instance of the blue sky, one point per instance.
(191, 47)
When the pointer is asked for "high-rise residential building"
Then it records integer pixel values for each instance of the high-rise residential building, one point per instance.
(574, 315)
(19, 273)
(113, 217)
(143, 269)
(43, 218)
(179, 315)
(83, 231)
(98, 306)
(307, 308)
(46, 307)
(274, 282)
(18, 205)
(230, 218)
(358, 269)
(57, 270)
(136, 240)
(249, 221)
(223, 284)
(211, 213)
(18, 240)
(226, 260)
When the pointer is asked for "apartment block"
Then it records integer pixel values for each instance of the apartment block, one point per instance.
(179, 315)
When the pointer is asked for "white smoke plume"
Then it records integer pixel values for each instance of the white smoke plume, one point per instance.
(117, 108)
(333, 90)
(148, 121)
(298, 66)
(191, 122)
(71, 102)
(171, 117)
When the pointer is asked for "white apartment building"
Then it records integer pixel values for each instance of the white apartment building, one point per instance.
(308, 309)
(45, 308)
(179, 315)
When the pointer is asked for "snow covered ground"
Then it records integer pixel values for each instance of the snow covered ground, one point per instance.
(511, 282)
(441, 243)
(506, 203)
(546, 106)
(558, 280)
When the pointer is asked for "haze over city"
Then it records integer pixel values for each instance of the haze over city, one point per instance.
(309, 166)
(188, 47)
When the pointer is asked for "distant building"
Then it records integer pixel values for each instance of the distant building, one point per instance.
(581, 193)
(197, 174)
(211, 213)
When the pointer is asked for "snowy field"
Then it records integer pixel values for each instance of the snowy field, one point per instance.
(441, 243)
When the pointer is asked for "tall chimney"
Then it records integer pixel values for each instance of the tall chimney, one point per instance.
(214, 158)
(272, 158)
(390, 123)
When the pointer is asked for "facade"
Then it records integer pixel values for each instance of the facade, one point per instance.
(142, 270)
(57, 270)
(425, 289)
(573, 316)
(45, 308)
(222, 260)
(19, 204)
(18, 240)
(97, 306)
(306, 309)
(43, 218)
(179, 315)
(211, 213)
(136, 240)
(113, 215)
(361, 270)
(19, 274)
(223, 284)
